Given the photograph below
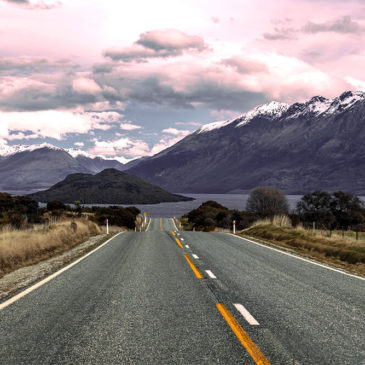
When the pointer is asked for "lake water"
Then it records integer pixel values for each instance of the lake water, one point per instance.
(231, 201)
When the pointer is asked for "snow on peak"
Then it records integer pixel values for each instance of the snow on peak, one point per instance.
(272, 109)
(211, 126)
(6, 150)
(320, 105)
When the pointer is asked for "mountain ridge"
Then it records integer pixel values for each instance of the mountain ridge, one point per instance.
(305, 146)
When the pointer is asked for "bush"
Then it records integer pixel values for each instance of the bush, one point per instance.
(212, 214)
(18, 210)
(267, 202)
(119, 216)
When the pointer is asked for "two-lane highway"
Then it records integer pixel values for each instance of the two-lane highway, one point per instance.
(169, 297)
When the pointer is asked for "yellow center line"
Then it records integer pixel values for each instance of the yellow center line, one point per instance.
(193, 267)
(160, 224)
(245, 340)
(178, 242)
(173, 233)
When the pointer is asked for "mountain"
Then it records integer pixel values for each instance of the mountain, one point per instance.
(33, 169)
(95, 164)
(37, 167)
(110, 186)
(318, 144)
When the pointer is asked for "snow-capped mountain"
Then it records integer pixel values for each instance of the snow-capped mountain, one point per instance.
(318, 144)
(37, 167)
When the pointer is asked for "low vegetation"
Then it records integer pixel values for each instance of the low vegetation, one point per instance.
(211, 215)
(329, 227)
(316, 243)
(21, 247)
(29, 234)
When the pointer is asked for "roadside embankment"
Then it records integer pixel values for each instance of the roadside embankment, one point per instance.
(19, 248)
(343, 252)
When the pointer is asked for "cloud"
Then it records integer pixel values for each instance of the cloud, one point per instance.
(85, 86)
(50, 124)
(124, 146)
(128, 126)
(196, 124)
(356, 83)
(176, 132)
(79, 144)
(158, 44)
(341, 25)
(280, 34)
(32, 65)
(245, 65)
(47, 92)
(36, 4)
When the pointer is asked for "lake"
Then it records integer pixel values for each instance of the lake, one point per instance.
(231, 201)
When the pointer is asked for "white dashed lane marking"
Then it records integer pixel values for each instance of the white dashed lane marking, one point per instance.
(211, 275)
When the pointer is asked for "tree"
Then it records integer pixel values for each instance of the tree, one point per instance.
(347, 209)
(316, 207)
(267, 202)
(78, 207)
(340, 210)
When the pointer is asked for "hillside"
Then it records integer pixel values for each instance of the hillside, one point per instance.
(299, 148)
(107, 187)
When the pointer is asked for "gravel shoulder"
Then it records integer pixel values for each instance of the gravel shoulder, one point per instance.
(21, 278)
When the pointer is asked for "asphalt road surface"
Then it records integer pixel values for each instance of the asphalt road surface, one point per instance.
(169, 297)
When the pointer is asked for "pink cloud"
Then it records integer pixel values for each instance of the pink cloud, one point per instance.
(85, 86)
(158, 44)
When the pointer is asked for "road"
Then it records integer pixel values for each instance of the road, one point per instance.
(138, 300)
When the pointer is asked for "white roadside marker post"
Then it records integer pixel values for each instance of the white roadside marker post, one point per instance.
(234, 227)
(107, 226)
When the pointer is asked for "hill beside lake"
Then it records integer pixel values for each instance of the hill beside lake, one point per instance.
(107, 187)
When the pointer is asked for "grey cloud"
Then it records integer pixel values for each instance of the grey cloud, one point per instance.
(206, 92)
(158, 44)
(31, 65)
(45, 97)
(102, 68)
(341, 25)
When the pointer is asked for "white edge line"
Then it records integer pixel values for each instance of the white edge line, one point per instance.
(187, 246)
(52, 276)
(195, 256)
(173, 221)
(148, 226)
(210, 274)
(297, 257)
(246, 314)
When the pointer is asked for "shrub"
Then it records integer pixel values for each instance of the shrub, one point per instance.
(267, 202)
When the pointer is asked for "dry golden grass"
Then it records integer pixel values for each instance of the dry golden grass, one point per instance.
(346, 251)
(26, 247)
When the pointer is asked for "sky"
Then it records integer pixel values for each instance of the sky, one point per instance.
(126, 79)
